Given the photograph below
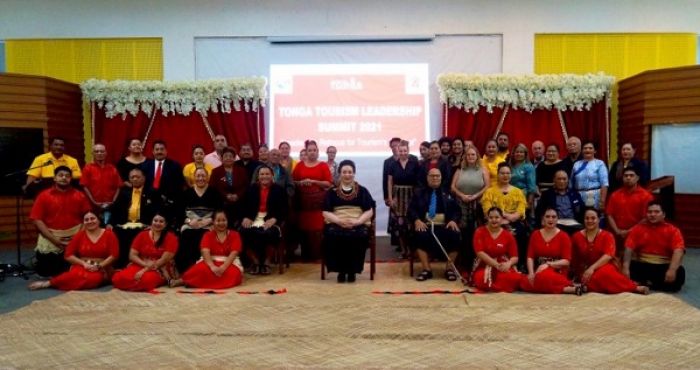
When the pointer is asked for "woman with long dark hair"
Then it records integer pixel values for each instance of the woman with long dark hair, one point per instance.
(152, 259)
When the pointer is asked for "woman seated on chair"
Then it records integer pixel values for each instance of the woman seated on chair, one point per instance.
(196, 215)
(219, 267)
(595, 254)
(347, 212)
(548, 259)
(264, 210)
(151, 257)
(496, 256)
(511, 200)
(91, 253)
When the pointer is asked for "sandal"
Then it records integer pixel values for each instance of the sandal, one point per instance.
(254, 269)
(450, 275)
(264, 270)
(424, 275)
(578, 290)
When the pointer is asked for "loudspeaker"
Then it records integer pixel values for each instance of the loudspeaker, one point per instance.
(18, 147)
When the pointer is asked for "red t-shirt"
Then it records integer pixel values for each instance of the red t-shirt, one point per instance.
(103, 182)
(628, 207)
(60, 210)
(147, 248)
(590, 252)
(500, 248)
(559, 247)
(82, 247)
(221, 248)
(659, 240)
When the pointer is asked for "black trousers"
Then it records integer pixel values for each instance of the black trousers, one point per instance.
(448, 238)
(50, 264)
(653, 275)
(344, 249)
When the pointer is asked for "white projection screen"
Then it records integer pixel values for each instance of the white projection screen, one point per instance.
(363, 125)
(673, 153)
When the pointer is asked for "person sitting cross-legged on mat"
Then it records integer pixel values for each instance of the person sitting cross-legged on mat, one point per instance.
(432, 206)
(151, 256)
(219, 267)
(496, 256)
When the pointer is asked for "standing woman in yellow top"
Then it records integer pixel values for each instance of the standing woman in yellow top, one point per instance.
(512, 201)
(492, 159)
(41, 172)
(198, 157)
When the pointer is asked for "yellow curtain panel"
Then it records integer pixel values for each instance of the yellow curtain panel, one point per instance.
(618, 54)
(76, 60)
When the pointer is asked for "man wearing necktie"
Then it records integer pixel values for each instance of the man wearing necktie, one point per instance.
(433, 205)
(164, 177)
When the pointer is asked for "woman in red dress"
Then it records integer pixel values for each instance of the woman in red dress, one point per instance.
(220, 267)
(151, 256)
(496, 256)
(548, 259)
(91, 253)
(312, 178)
(595, 253)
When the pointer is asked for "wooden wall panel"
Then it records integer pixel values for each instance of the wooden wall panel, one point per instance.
(662, 96)
(688, 218)
(45, 103)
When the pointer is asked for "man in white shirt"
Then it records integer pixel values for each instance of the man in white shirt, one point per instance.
(214, 158)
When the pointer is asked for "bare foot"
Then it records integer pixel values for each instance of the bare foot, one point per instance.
(42, 284)
(641, 289)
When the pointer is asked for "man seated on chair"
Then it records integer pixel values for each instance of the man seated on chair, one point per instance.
(58, 215)
(433, 207)
(42, 170)
(654, 252)
(132, 212)
(627, 206)
(566, 202)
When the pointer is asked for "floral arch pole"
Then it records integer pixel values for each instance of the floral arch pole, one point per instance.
(181, 113)
(550, 108)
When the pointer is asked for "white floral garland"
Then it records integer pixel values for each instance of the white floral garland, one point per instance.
(122, 97)
(528, 92)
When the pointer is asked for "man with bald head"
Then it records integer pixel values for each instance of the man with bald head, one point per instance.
(432, 206)
(573, 146)
(100, 181)
(537, 152)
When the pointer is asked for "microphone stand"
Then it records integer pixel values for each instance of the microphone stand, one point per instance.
(18, 270)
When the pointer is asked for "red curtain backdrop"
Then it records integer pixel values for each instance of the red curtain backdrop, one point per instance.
(178, 131)
(526, 127)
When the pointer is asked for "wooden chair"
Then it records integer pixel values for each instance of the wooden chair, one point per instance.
(372, 247)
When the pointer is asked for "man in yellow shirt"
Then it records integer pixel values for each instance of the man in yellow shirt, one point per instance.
(41, 173)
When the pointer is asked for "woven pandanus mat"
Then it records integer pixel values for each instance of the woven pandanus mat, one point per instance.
(322, 324)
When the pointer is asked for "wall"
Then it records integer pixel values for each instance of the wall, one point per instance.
(179, 21)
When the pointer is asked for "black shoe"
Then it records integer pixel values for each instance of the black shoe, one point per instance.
(424, 275)
(450, 275)
(341, 277)
(351, 278)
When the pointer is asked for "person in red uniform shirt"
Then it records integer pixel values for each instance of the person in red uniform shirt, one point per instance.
(497, 256)
(91, 253)
(151, 257)
(220, 267)
(57, 214)
(548, 259)
(654, 252)
(101, 182)
(627, 206)
(594, 253)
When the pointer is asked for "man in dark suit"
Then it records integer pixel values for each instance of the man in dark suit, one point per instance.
(132, 212)
(433, 205)
(164, 177)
